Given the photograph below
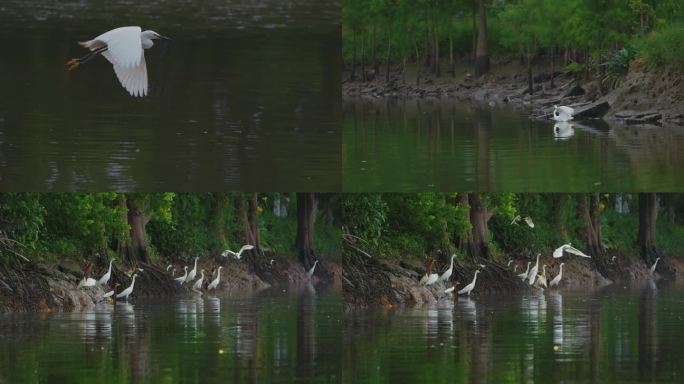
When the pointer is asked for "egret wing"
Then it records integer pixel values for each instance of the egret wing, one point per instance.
(575, 251)
(558, 252)
(134, 79)
(124, 46)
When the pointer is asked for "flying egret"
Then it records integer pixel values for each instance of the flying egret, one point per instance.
(127, 292)
(310, 272)
(193, 272)
(653, 267)
(562, 113)
(569, 249)
(184, 277)
(523, 275)
(198, 283)
(468, 288)
(124, 48)
(105, 278)
(216, 281)
(533, 271)
(447, 274)
(556, 280)
(526, 219)
(237, 255)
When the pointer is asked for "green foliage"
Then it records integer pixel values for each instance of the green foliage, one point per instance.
(573, 68)
(617, 66)
(365, 215)
(22, 217)
(663, 47)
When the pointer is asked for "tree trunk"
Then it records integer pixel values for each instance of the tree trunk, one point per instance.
(473, 53)
(478, 220)
(437, 68)
(530, 83)
(246, 234)
(418, 67)
(353, 66)
(590, 230)
(217, 208)
(482, 55)
(389, 51)
(376, 63)
(553, 69)
(137, 220)
(648, 215)
(363, 56)
(452, 65)
(306, 216)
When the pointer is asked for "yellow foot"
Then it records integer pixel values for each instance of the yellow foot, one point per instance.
(72, 64)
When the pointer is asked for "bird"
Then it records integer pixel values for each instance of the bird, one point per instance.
(523, 275)
(563, 113)
(509, 263)
(447, 274)
(468, 288)
(127, 292)
(193, 272)
(653, 267)
(216, 281)
(169, 267)
(428, 270)
(184, 277)
(124, 48)
(515, 268)
(105, 278)
(569, 249)
(87, 282)
(110, 293)
(432, 278)
(556, 280)
(198, 283)
(452, 288)
(533, 271)
(237, 255)
(563, 130)
(526, 219)
(541, 279)
(310, 272)
(612, 259)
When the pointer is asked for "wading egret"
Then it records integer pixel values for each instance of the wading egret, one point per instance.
(124, 48)
(184, 277)
(310, 272)
(447, 274)
(468, 288)
(216, 281)
(127, 292)
(523, 275)
(533, 271)
(237, 255)
(562, 113)
(569, 249)
(105, 278)
(653, 267)
(452, 288)
(110, 293)
(556, 280)
(541, 279)
(193, 272)
(198, 283)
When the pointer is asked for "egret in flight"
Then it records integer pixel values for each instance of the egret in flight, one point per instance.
(127, 292)
(124, 48)
(562, 113)
(569, 249)
(216, 281)
(237, 255)
(653, 267)
(468, 288)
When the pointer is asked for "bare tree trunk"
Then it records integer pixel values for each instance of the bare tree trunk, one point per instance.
(482, 55)
(389, 51)
(246, 233)
(478, 220)
(648, 215)
(363, 56)
(353, 67)
(376, 63)
(137, 220)
(306, 216)
(218, 206)
(530, 84)
(437, 67)
(553, 69)
(452, 65)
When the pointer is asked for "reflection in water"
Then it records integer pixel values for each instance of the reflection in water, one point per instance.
(455, 146)
(608, 336)
(195, 339)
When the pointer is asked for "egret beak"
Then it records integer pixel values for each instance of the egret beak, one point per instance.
(165, 38)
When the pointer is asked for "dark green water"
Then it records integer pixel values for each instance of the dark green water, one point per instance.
(419, 145)
(271, 337)
(605, 337)
(245, 97)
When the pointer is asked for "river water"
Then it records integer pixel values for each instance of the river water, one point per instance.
(274, 336)
(421, 145)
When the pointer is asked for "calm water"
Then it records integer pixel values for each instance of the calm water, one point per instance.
(245, 97)
(417, 145)
(611, 336)
(272, 337)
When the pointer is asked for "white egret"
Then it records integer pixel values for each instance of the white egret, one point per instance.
(110, 293)
(509, 263)
(569, 249)
(533, 271)
(563, 113)
(452, 288)
(612, 259)
(184, 277)
(87, 282)
(556, 280)
(541, 279)
(216, 281)
(523, 275)
(432, 278)
(653, 267)
(198, 283)
(127, 292)
(468, 288)
(447, 274)
(526, 219)
(168, 267)
(124, 48)
(193, 272)
(310, 272)
(428, 271)
(563, 130)
(237, 255)
(105, 278)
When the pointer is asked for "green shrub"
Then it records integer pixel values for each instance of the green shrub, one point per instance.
(663, 47)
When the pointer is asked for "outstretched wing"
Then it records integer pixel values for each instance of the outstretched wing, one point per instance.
(575, 251)
(134, 79)
(558, 252)
(123, 44)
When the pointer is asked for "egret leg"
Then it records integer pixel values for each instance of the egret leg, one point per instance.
(73, 63)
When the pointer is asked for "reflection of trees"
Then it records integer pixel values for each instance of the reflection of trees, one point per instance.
(648, 343)
(306, 334)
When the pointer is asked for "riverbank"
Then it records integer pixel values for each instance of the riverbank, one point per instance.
(48, 287)
(643, 97)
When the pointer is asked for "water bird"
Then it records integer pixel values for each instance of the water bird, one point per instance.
(569, 249)
(105, 278)
(563, 130)
(127, 292)
(182, 279)
(452, 288)
(198, 283)
(523, 275)
(556, 280)
(216, 281)
(124, 48)
(428, 270)
(168, 267)
(310, 272)
(237, 255)
(110, 293)
(509, 263)
(193, 272)
(563, 113)
(447, 274)
(468, 288)
(533, 271)
(653, 267)
(541, 279)
(87, 282)
(526, 219)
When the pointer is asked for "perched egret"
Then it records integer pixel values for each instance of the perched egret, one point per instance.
(452, 288)
(556, 280)
(216, 281)
(193, 272)
(237, 255)
(562, 113)
(612, 259)
(468, 288)
(432, 278)
(270, 264)
(105, 278)
(124, 48)
(87, 282)
(541, 279)
(447, 274)
(310, 272)
(533, 271)
(198, 283)
(523, 275)
(127, 292)
(653, 267)
(428, 270)
(569, 249)
(184, 277)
